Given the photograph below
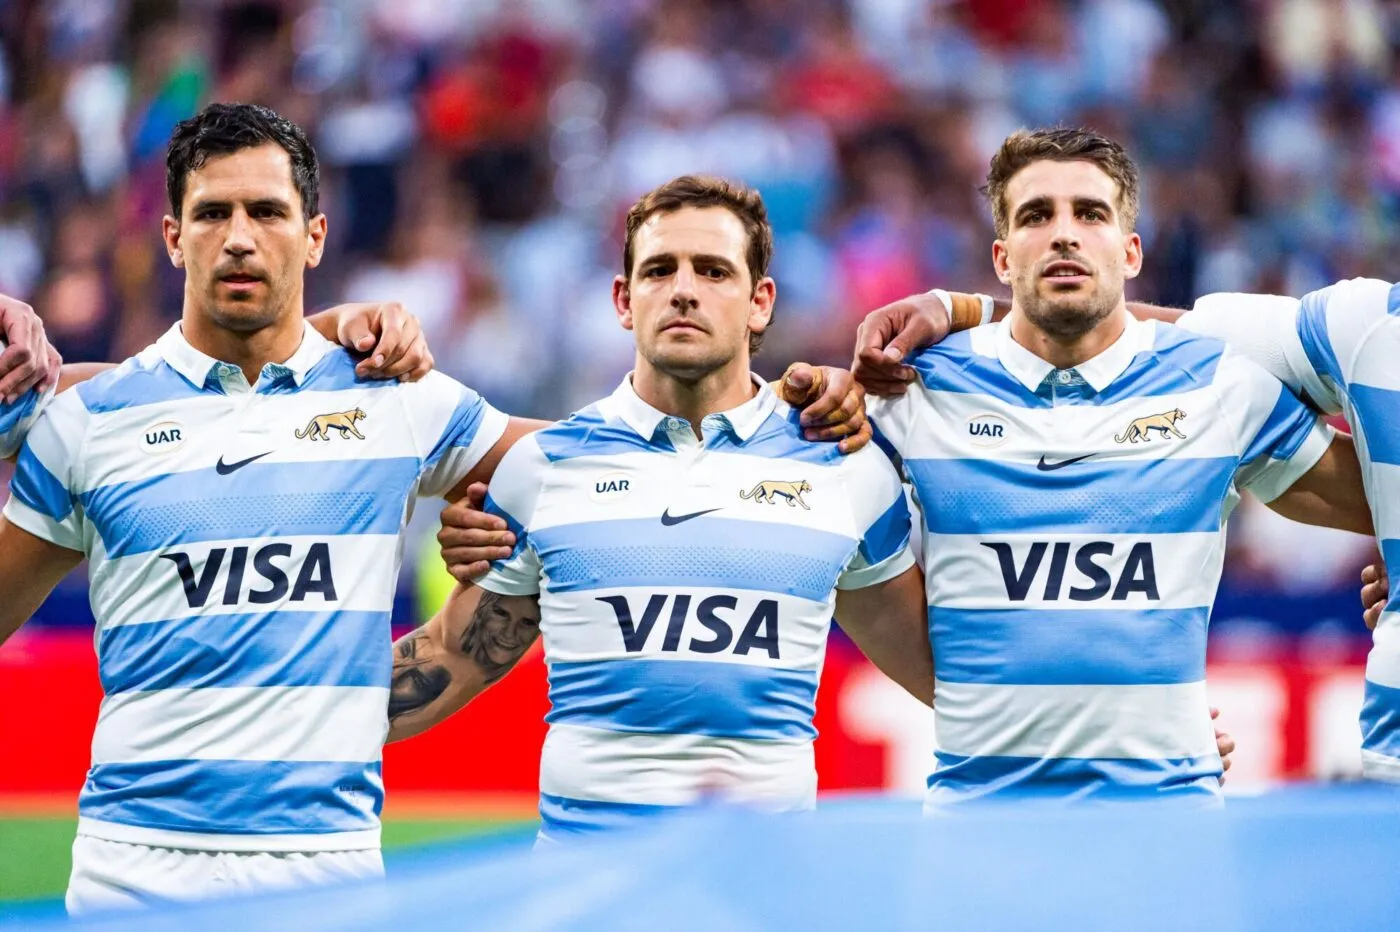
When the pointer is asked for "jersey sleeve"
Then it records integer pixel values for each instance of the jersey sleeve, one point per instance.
(892, 420)
(18, 416)
(454, 425)
(882, 516)
(1279, 437)
(513, 494)
(44, 493)
(1308, 344)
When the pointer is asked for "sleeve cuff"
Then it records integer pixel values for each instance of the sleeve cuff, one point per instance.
(1278, 476)
(41, 525)
(883, 571)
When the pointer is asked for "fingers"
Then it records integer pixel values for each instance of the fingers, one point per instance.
(355, 325)
(26, 359)
(413, 352)
(1375, 594)
(838, 400)
(838, 430)
(390, 316)
(859, 439)
(1225, 744)
(881, 374)
(470, 538)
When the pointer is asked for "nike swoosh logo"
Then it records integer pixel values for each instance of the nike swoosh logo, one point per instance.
(669, 519)
(1046, 467)
(224, 469)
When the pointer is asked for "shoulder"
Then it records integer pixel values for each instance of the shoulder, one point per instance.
(335, 371)
(588, 432)
(956, 352)
(780, 437)
(140, 380)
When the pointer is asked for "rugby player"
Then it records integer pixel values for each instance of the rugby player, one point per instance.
(1335, 347)
(680, 549)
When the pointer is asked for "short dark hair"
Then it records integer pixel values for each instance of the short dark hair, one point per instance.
(708, 191)
(221, 129)
(1061, 144)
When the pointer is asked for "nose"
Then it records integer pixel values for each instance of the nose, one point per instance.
(238, 240)
(1066, 234)
(684, 295)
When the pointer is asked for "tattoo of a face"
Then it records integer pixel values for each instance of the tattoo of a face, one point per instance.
(502, 629)
(416, 681)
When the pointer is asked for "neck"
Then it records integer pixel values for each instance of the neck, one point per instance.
(249, 351)
(693, 399)
(1067, 352)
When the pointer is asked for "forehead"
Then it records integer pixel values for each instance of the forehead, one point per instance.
(260, 173)
(1060, 180)
(714, 231)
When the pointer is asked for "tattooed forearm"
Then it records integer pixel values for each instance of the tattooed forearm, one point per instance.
(418, 678)
(502, 629)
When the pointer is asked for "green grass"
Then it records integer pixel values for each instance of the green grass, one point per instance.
(35, 851)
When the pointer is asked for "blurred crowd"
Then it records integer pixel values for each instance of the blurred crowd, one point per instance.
(478, 157)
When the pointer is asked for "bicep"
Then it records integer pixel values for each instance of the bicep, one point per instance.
(1331, 493)
(30, 567)
(74, 372)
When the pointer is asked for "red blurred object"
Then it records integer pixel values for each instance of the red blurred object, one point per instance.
(1292, 720)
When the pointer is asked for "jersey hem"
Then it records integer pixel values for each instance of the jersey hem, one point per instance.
(367, 839)
(1377, 766)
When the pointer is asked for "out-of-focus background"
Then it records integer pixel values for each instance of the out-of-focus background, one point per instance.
(478, 157)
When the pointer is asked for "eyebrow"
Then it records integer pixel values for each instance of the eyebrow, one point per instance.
(702, 258)
(274, 203)
(1045, 202)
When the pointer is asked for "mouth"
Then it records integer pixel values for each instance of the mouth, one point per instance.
(683, 324)
(1065, 272)
(241, 279)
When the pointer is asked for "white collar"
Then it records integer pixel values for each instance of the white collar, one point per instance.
(196, 366)
(1099, 372)
(742, 421)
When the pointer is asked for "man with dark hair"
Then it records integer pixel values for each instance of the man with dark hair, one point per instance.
(1075, 469)
(1335, 347)
(239, 490)
(681, 549)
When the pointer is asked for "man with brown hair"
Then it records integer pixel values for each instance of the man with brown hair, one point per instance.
(684, 616)
(1071, 571)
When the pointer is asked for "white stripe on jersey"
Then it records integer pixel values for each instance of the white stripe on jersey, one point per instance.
(233, 724)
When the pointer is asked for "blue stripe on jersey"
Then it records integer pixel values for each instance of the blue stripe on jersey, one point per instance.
(1110, 496)
(1392, 300)
(21, 408)
(258, 501)
(1283, 432)
(1069, 647)
(333, 372)
(1179, 362)
(461, 427)
(1380, 720)
(684, 697)
(705, 551)
(565, 817)
(777, 438)
(38, 488)
(328, 648)
(1076, 777)
(952, 366)
(131, 385)
(1312, 331)
(236, 797)
(515, 527)
(1378, 411)
(588, 433)
(888, 535)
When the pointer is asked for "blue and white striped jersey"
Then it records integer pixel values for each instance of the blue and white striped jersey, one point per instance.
(686, 589)
(18, 416)
(243, 546)
(1073, 539)
(1340, 346)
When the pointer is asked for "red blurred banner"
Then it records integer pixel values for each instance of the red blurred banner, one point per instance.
(1292, 720)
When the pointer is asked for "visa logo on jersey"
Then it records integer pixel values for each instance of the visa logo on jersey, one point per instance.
(1092, 574)
(717, 615)
(258, 576)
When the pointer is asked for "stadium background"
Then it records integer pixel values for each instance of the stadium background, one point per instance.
(478, 157)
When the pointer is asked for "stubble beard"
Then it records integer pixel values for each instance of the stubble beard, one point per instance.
(1066, 318)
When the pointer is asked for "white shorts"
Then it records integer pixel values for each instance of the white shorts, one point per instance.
(116, 875)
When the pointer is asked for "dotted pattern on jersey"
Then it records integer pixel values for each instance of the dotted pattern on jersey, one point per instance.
(688, 566)
(283, 515)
